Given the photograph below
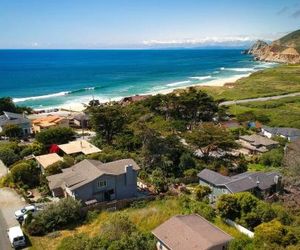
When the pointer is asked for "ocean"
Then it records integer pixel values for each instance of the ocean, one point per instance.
(54, 78)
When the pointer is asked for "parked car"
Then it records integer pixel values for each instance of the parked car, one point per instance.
(16, 237)
(22, 213)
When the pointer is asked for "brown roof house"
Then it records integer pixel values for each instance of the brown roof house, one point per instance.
(80, 146)
(46, 160)
(94, 181)
(190, 232)
(49, 121)
(254, 144)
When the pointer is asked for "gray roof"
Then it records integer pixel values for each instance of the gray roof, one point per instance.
(9, 118)
(241, 182)
(191, 232)
(81, 116)
(88, 170)
(258, 140)
(293, 133)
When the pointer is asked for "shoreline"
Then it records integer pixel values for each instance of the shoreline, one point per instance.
(79, 107)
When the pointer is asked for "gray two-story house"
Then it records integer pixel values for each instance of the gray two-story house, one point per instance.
(20, 120)
(91, 180)
(259, 183)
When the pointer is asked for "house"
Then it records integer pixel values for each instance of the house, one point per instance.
(20, 120)
(91, 180)
(190, 232)
(132, 99)
(42, 123)
(291, 134)
(253, 144)
(80, 146)
(81, 120)
(259, 183)
(46, 160)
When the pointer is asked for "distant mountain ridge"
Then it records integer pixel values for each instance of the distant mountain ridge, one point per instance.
(283, 50)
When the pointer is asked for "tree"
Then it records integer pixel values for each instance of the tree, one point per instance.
(228, 207)
(108, 121)
(25, 173)
(55, 135)
(186, 162)
(209, 137)
(158, 180)
(7, 104)
(12, 131)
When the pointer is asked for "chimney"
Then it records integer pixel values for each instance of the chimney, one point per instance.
(128, 174)
(257, 181)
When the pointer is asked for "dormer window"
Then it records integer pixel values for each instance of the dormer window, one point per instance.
(101, 184)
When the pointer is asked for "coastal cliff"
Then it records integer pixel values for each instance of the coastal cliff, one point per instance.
(283, 50)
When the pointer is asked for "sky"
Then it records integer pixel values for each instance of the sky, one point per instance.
(89, 24)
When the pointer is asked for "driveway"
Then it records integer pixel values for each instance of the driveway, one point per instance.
(10, 201)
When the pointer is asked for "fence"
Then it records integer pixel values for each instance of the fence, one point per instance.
(116, 204)
(240, 228)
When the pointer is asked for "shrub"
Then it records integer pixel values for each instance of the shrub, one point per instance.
(25, 173)
(8, 156)
(201, 192)
(273, 158)
(56, 216)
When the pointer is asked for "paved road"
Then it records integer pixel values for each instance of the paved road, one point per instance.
(10, 201)
(260, 99)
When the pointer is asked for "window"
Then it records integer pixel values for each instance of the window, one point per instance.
(102, 184)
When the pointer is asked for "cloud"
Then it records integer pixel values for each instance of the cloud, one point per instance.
(282, 10)
(201, 41)
(296, 14)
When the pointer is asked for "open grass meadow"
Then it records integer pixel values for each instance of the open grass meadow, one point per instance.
(146, 218)
(284, 112)
(282, 79)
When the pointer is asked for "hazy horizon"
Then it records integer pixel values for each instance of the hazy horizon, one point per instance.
(141, 24)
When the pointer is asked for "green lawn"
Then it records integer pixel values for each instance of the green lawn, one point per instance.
(284, 112)
(279, 80)
(146, 219)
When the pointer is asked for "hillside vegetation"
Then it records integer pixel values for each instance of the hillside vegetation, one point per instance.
(290, 40)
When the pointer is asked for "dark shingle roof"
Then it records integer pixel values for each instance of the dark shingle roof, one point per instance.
(241, 182)
(88, 170)
(190, 232)
(12, 118)
(293, 133)
(213, 177)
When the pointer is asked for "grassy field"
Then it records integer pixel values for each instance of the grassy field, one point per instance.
(284, 112)
(146, 219)
(279, 80)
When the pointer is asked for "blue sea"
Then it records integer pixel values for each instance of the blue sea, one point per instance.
(54, 78)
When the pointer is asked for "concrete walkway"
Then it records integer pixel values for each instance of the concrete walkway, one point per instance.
(260, 99)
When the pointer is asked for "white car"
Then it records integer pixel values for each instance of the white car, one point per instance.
(16, 237)
(22, 213)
